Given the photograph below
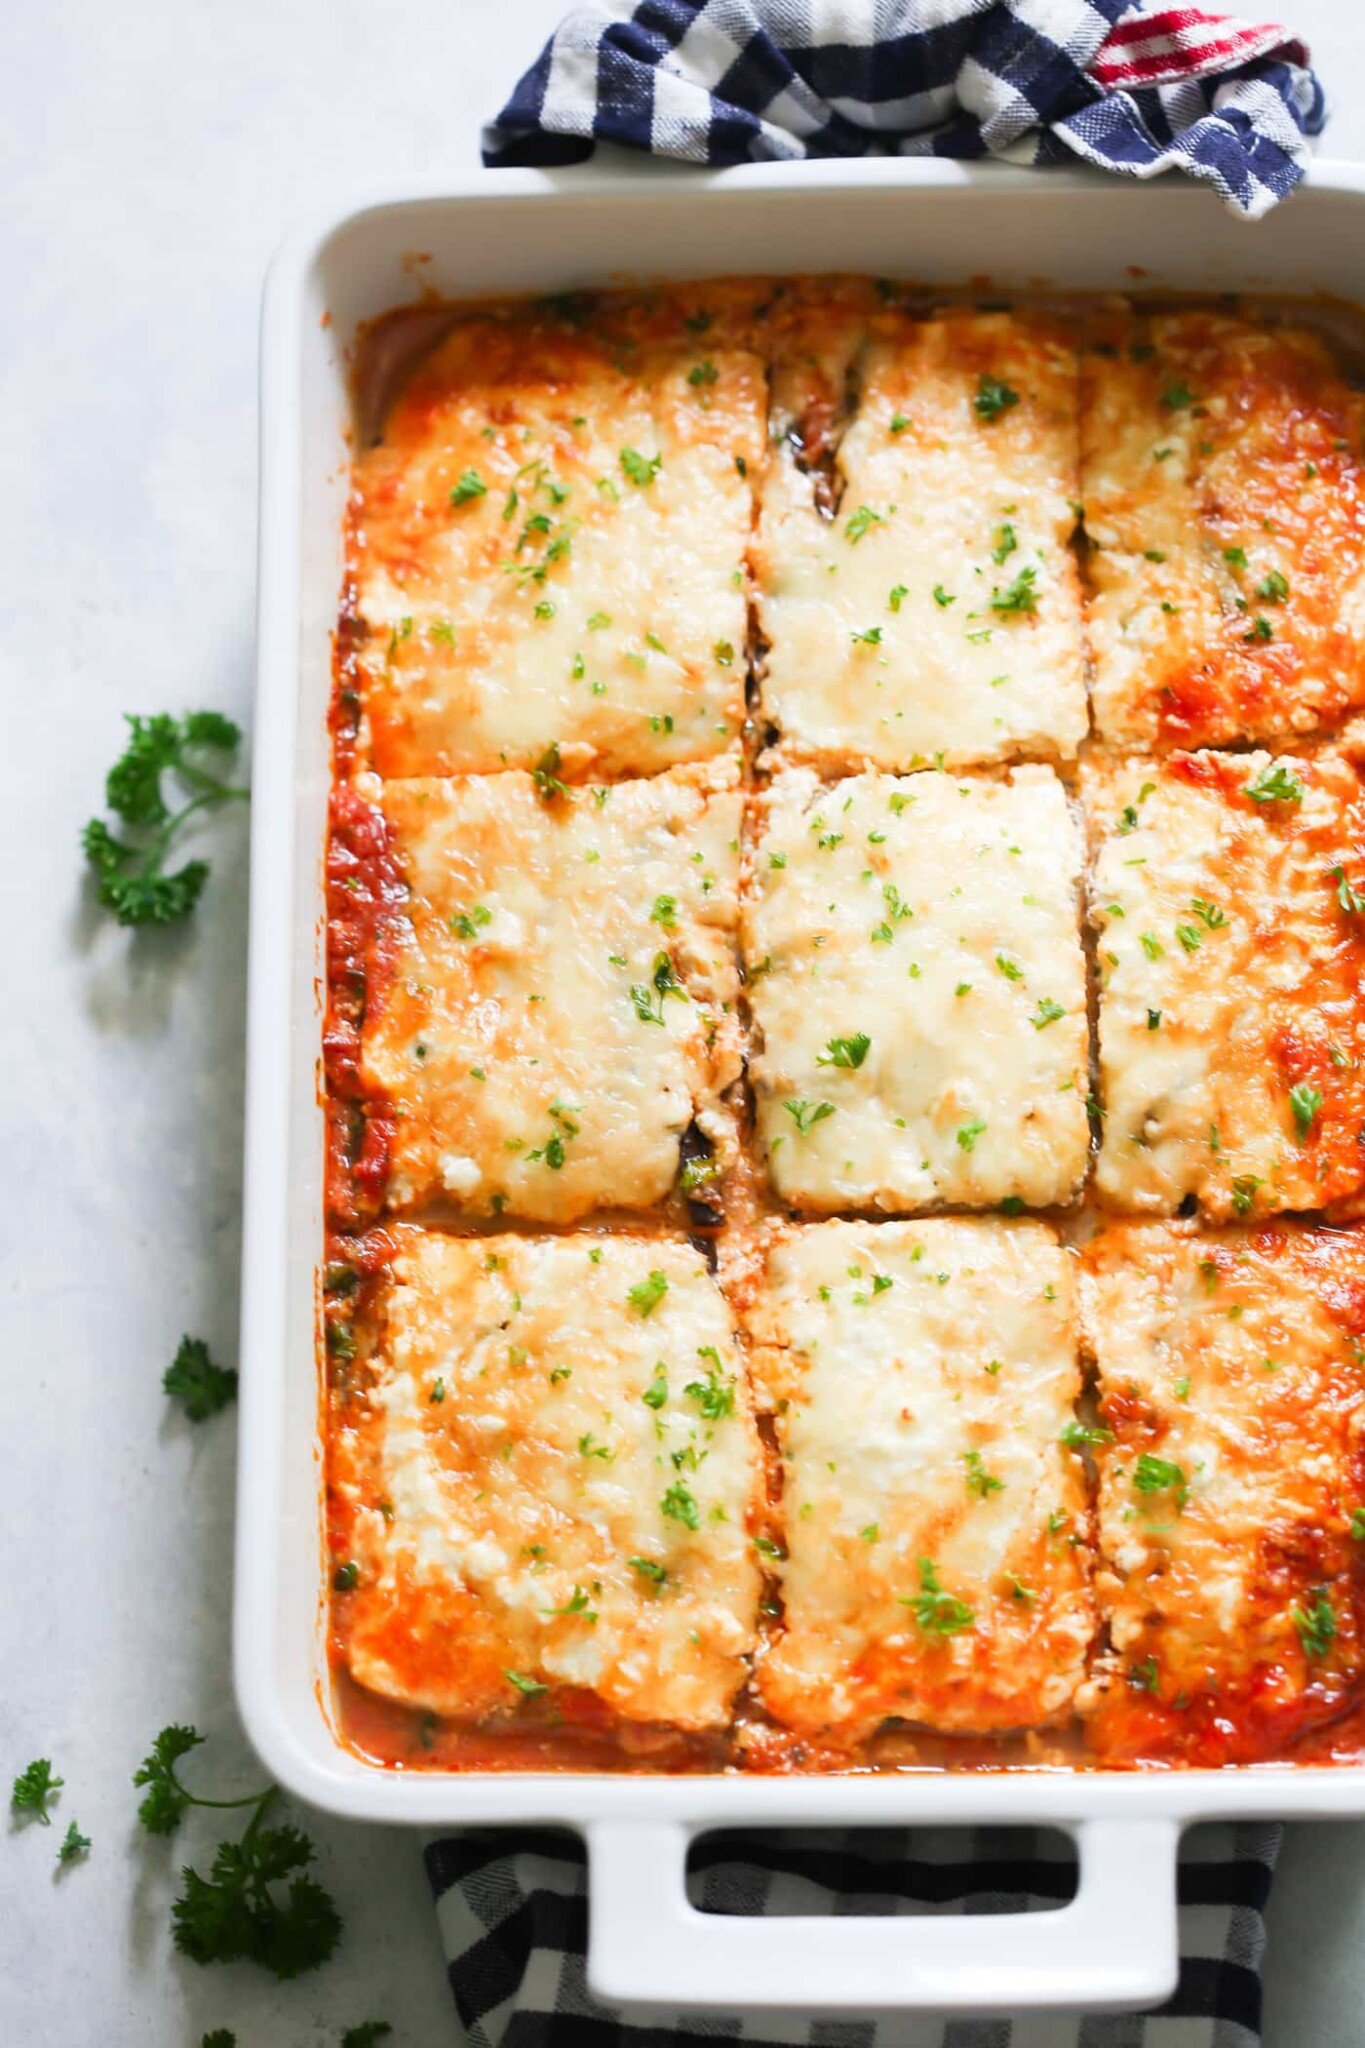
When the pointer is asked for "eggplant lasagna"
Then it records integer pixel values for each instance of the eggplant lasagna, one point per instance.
(845, 1053)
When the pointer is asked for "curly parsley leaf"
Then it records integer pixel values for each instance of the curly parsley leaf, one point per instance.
(192, 1377)
(34, 1790)
(255, 1906)
(130, 872)
(74, 1845)
(166, 1799)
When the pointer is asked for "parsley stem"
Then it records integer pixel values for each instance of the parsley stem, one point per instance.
(152, 855)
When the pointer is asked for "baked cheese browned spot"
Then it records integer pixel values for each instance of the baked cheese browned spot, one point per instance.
(933, 1514)
(1232, 1485)
(921, 600)
(1222, 483)
(551, 1478)
(548, 547)
(1231, 949)
(917, 990)
(561, 1005)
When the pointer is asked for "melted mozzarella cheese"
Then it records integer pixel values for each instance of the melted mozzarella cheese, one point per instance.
(1222, 482)
(562, 1003)
(937, 612)
(1230, 1376)
(553, 1478)
(937, 919)
(1231, 1019)
(548, 547)
(934, 1523)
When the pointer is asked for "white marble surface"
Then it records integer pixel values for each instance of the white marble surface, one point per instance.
(149, 157)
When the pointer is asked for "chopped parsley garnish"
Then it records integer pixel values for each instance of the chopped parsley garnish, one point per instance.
(255, 1905)
(1011, 969)
(1274, 587)
(1155, 1475)
(192, 1377)
(467, 924)
(346, 1577)
(655, 1394)
(861, 522)
(530, 1688)
(806, 1115)
(646, 1294)
(680, 1506)
(979, 1481)
(640, 469)
(844, 1052)
(871, 638)
(470, 485)
(34, 1790)
(646, 1569)
(1351, 900)
(1276, 784)
(1236, 558)
(899, 422)
(1244, 1192)
(1005, 544)
(723, 652)
(1019, 596)
(1188, 937)
(665, 912)
(704, 372)
(1358, 1524)
(715, 1395)
(967, 1135)
(545, 774)
(1144, 1676)
(1046, 1013)
(938, 1613)
(899, 593)
(132, 882)
(993, 397)
(1317, 1625)
(1077, 1435)
(1176, 397)
(1151, 945)
(1259, 629)
(649, 998)
(578, 1602)
(1305, 1100)
(1208, 914)
(1154, 1020)
(941, 596)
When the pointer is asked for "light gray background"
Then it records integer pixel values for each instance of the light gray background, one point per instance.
(150, 154)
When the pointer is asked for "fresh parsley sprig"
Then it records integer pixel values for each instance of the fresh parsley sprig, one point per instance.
(134, 884)
(255, 1904)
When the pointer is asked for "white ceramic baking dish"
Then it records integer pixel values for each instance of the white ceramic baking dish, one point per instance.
(1115, 1945)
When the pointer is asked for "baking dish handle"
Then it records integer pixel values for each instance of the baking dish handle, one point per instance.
(1113, 1947)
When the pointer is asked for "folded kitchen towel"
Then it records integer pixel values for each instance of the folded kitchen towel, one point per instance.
(513, 1912)
(1131, 89)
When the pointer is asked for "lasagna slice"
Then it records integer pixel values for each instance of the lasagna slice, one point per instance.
(1222, 472)
(1232, 1487)
(917, 990)
(1227, 898)
(933, 1514)
(542, 1500)
(548, 541)
(915, 580)
(552, 1012)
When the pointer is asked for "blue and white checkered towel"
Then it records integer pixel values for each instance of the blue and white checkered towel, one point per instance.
(1030, 81)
